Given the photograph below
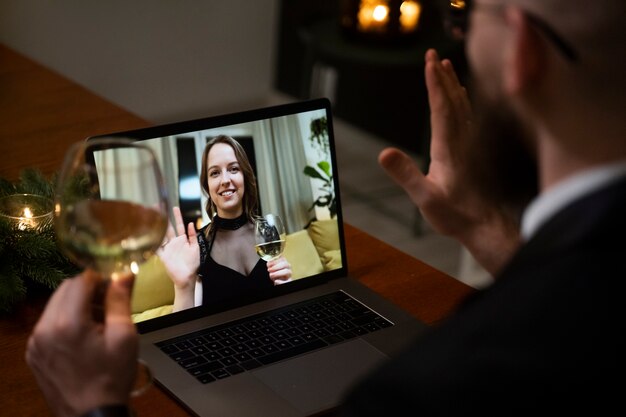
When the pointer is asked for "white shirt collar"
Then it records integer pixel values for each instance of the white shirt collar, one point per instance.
(548, 203)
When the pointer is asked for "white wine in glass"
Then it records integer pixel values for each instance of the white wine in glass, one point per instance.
(269, 234)
(110, 211)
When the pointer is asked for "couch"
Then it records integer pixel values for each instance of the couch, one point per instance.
(309, 251)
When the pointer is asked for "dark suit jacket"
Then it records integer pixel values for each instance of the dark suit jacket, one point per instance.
(548, 336)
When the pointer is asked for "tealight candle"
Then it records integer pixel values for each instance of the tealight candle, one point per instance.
(26, 211)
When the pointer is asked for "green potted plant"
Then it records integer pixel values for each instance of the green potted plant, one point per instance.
(322, 170)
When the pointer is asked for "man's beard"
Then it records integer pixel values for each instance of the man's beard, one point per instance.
(502, 165)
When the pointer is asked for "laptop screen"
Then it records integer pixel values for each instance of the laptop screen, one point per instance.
(290, 153)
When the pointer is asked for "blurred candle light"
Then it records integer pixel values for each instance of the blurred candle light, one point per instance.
(409, 15)
(381, 20)
(373, 15)
(26, 211)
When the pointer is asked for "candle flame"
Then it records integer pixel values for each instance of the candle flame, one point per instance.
(26, 211)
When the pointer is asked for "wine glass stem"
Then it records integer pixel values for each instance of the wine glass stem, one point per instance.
(98, 301)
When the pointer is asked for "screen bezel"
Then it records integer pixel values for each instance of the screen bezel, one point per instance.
(225, 120)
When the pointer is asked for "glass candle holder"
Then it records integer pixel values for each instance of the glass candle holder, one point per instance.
(26, 211)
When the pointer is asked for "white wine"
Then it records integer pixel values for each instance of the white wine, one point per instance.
(110, 235)
(270, 250)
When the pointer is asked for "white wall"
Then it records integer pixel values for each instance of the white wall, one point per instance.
(164, 60)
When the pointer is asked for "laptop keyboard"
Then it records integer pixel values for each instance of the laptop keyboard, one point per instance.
(262, 339)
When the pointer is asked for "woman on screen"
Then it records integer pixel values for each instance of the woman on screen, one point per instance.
(221, 255)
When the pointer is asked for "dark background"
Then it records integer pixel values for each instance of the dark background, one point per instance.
(380, 83)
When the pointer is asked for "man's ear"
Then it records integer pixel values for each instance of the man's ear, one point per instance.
(525, 59)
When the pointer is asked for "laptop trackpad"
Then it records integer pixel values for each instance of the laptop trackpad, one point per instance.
(319, 380)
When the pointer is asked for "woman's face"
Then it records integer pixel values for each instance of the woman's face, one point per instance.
(226, 182)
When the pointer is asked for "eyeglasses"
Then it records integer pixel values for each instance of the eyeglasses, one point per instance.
(457, 18)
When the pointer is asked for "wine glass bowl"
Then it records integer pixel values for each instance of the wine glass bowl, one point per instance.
(269, 235)
(110, 214)
(110, 205)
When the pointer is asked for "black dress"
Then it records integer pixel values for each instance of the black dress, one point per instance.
(221, 283)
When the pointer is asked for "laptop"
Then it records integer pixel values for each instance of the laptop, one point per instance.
(293, 349)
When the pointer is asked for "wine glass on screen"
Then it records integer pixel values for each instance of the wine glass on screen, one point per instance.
(111, 213)
(269, 235)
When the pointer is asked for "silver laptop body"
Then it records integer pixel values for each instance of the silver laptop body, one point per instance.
(283, 141)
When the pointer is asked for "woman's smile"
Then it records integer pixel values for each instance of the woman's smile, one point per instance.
(226, 182)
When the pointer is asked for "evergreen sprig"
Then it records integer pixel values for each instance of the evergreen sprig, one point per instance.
(29, 259)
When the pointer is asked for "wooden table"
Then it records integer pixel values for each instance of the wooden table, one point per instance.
(41, 113)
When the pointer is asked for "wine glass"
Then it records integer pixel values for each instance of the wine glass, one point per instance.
(111, 213)
(269, 235)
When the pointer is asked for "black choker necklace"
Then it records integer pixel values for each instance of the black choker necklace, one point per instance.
(230, 224)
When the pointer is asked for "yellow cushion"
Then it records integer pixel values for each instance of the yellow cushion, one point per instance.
(325, 235)
(152, 313)
(153, 287)
(302, 255)
(331, 259)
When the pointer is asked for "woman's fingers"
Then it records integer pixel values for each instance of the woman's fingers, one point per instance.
(179, 230)
(192, 234)
(279, 270)
(178, 221)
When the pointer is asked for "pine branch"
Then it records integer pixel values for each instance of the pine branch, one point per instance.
(33, 182)
(29, 258)
(12, 288)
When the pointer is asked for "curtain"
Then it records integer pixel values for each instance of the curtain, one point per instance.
(124, 174)
(166, 154)
(284, 189)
